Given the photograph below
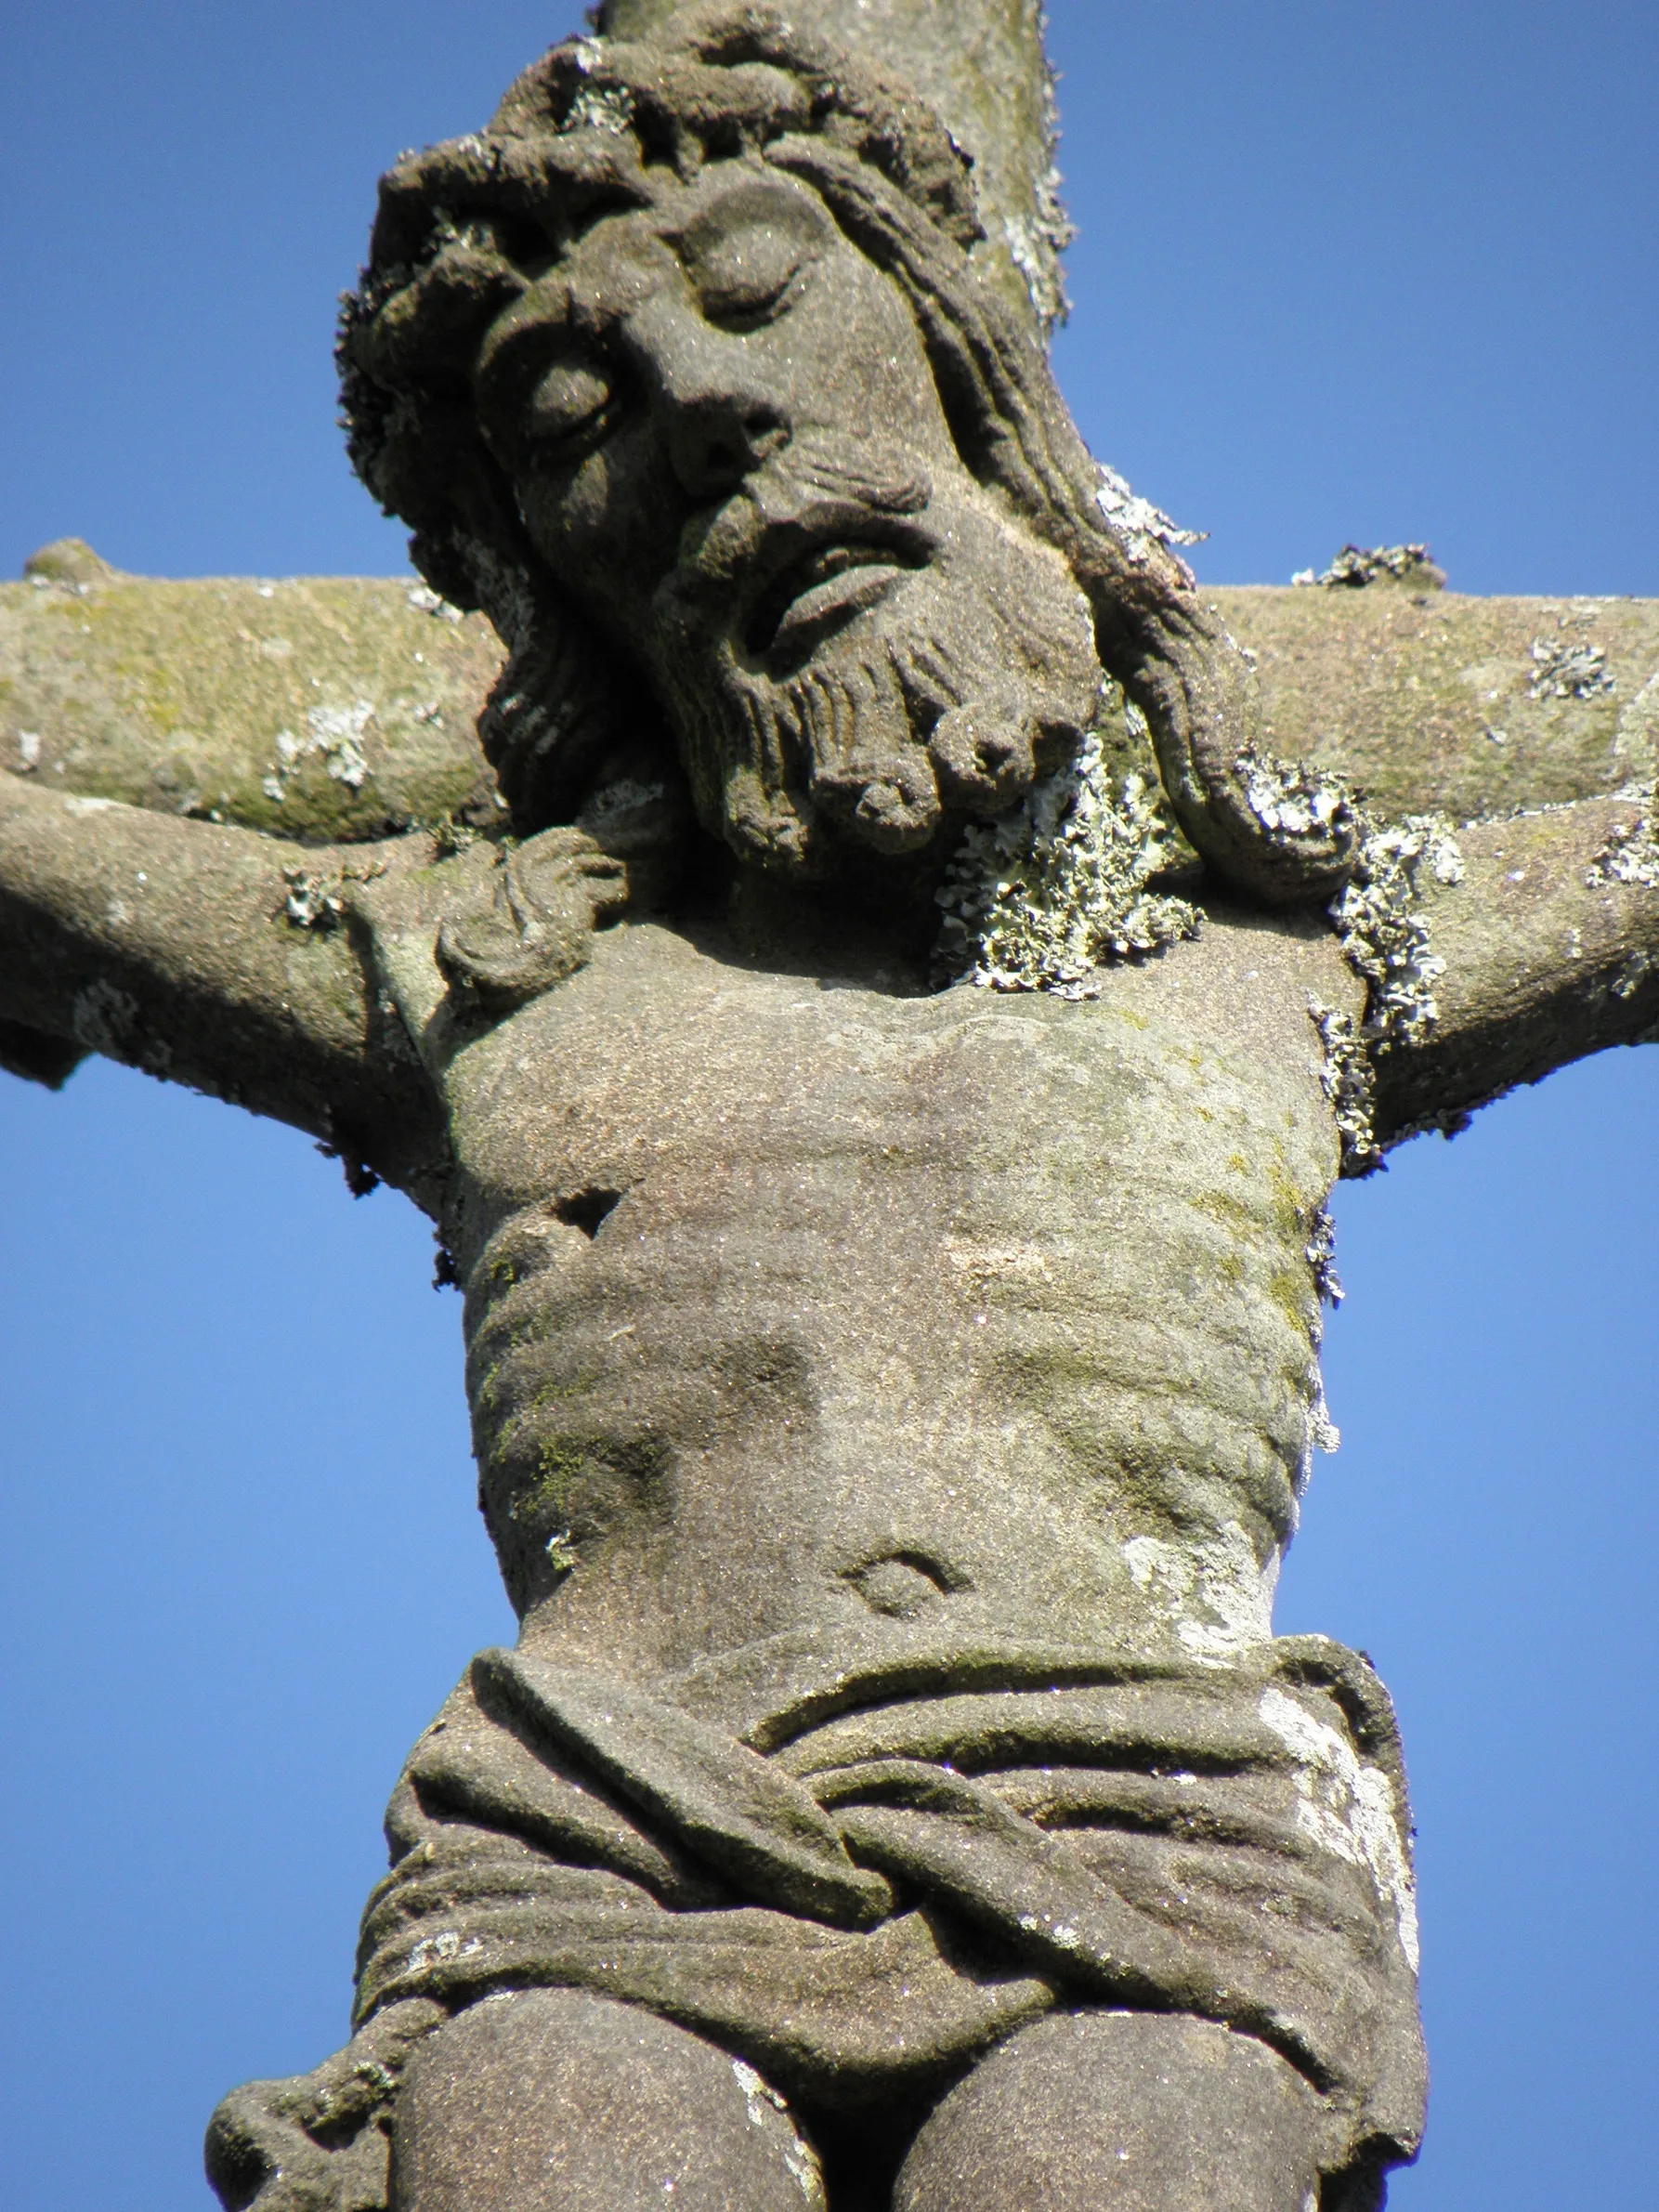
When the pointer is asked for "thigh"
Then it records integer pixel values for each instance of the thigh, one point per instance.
(1135, 2111)
(552, 2098)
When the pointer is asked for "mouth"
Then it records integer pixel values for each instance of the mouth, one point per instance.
(822, 587)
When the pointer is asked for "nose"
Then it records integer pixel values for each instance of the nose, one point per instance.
(718, 438)
(720, 415)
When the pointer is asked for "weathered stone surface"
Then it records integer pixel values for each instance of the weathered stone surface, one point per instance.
(1432, 701)
(318, 708)
(552, 2097)
(892, 1402)
(165, 697)
(174, 947)
(877, 1267)
(1104, 2110)
(985, 75)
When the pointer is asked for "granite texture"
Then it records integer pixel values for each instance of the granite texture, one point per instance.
(875, 1059)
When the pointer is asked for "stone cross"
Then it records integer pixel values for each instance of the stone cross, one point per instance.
(873, 975)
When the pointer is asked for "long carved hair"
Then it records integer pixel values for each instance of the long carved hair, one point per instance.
(579, 135)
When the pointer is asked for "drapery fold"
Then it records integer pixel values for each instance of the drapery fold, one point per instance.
(862, 1881)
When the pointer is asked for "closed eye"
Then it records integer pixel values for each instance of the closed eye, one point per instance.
(744, 280)
(541, 392)
(745, 254)
(572, 407)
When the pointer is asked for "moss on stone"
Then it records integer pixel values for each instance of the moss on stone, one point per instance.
(325, 709)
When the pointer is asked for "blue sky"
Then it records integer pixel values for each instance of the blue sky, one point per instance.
(1343, 272)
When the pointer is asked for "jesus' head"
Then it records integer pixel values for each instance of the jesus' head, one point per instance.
(685, 372)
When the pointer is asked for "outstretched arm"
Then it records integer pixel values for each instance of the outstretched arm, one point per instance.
(1551, 950)
(209, 955)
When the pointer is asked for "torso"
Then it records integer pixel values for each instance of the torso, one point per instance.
(987, 1313)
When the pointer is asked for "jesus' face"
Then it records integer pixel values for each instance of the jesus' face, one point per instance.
(727, 444)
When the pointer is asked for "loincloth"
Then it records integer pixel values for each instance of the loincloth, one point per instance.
(856, 1877)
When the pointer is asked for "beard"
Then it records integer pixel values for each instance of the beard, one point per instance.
(851, 659)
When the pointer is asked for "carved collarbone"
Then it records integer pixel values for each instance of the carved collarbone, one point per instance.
(529, 921)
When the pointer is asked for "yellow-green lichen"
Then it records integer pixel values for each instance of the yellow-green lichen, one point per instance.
(564, 1464)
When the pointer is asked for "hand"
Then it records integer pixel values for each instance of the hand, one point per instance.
(533, 920)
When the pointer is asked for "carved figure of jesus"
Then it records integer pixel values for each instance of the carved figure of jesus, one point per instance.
(879, 1103)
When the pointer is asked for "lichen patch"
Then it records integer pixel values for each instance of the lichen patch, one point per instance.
(1631, 852)
(1563, 670)
(1288, 798)
(1383, 933)
(1347, 1807)
(309, 903)
(1136, 522)
(1040, 899)
(1350, 1085)
(335, 735)
(1356, 566)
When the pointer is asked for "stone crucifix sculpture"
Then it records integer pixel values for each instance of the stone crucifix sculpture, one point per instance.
(877, 1077)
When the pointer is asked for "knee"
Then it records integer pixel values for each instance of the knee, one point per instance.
(1143, 2111)
(550, 2099)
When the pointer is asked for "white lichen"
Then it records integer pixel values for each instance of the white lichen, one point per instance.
(449, 235)
(1347, 1807)
(335, 735)
(1631, 852)
(309, 903)
(1215, 1592)
(1561, 670)
(1638, 966)
(1383, 932)
(1136, 522)
(607, 108)
(1322, 1433)
(437, 1950)
(764, 2108)
(1321, 1252)
(1032, 251)
(1040, 899)
(1037, 239)
(424, 600)
(1289, 797)
(1356, 566)
(1350, 1084)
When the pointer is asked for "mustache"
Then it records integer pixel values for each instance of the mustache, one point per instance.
(812, 493)
(884, 479)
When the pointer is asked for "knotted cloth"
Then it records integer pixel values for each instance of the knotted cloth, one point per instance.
(856, 1874)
